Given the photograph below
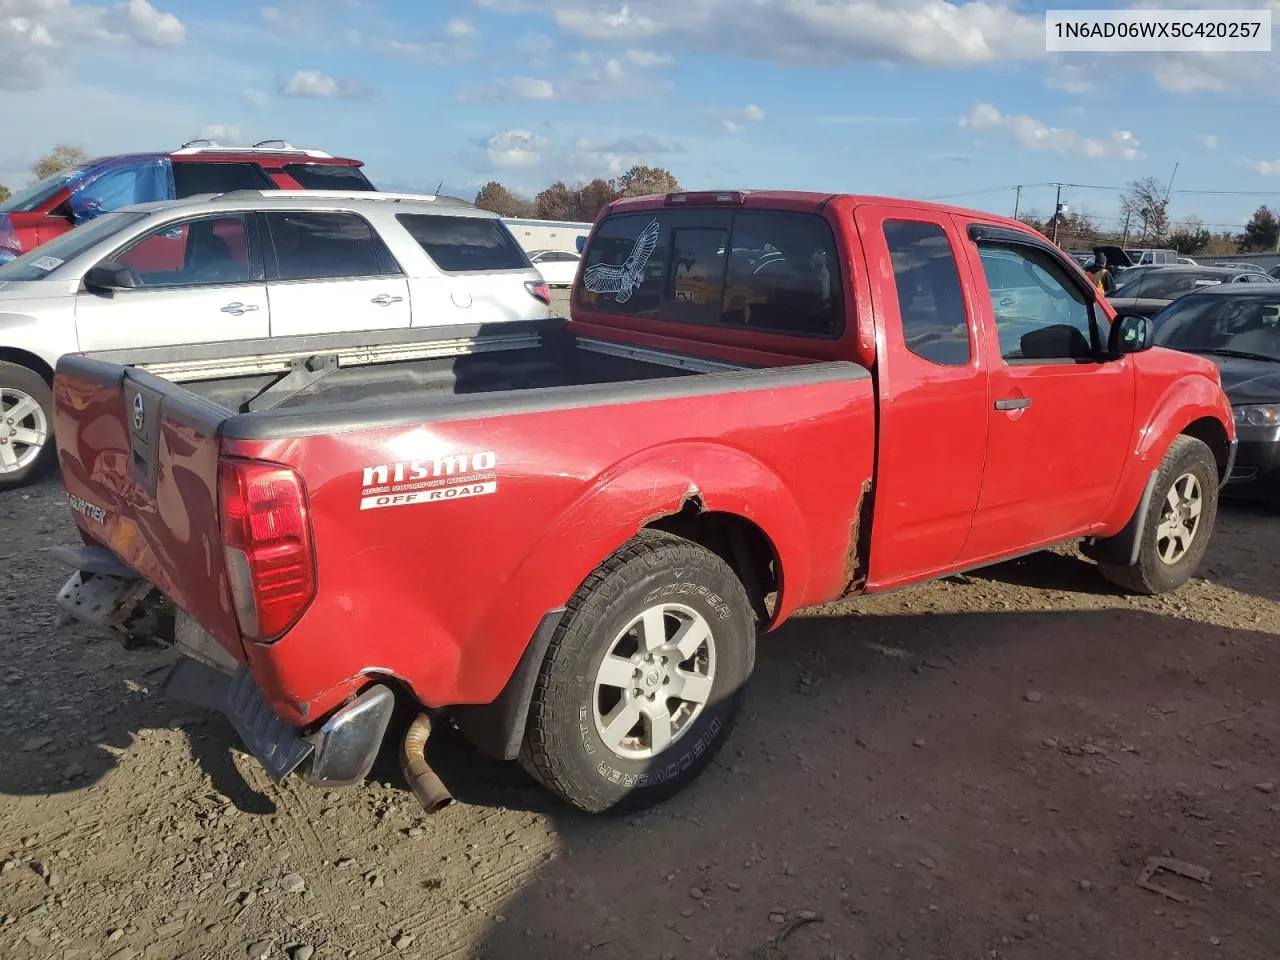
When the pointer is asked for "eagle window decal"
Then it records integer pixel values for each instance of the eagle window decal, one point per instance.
(623, 281)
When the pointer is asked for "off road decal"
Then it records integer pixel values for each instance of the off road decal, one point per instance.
(440, 480)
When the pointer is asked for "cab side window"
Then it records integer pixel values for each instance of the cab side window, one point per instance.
(935, 326)
(1040, 314)
(210, 250)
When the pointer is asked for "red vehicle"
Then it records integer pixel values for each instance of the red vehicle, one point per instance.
(566, 536)
(70, 197)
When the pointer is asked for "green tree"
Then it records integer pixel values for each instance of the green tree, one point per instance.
(4, 193)
(642, 181)
(1260, 232)
(61, 157)
(1190, 237)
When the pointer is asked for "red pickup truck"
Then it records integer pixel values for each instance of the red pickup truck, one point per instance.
(565, 536)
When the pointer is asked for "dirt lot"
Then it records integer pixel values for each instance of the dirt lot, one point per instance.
(974, 769)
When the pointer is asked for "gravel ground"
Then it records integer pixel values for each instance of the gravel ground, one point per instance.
(977, 768)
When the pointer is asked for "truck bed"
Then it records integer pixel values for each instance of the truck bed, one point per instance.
(388, 368)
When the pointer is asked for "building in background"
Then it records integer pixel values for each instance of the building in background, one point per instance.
(560, 235)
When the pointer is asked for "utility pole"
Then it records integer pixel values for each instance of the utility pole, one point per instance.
(1057, 206)
(1124, 240)
(1017, 200)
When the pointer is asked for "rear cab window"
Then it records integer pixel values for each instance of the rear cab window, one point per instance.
(772, 271)
(465, 244)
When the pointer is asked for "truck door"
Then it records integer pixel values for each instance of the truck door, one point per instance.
(932, 383)
(1060, 415)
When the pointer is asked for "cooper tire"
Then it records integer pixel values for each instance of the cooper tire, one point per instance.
(658, 593)
(26, 413)
(1188, 474)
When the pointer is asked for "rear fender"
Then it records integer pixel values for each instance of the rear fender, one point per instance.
(623, 500)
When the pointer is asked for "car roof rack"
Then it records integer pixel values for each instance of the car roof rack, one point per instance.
(205, 145)
(296, 195)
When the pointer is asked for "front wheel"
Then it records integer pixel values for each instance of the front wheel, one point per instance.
(644, 677)
(1180, 520)
(26, 418)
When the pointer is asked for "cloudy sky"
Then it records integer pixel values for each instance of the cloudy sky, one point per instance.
(922, 98)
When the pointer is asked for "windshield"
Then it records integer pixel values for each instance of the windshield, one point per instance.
(36, 195)
(39, 263)
(1242, 326)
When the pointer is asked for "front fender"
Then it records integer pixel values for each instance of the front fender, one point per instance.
(622, 500)
(1178, 405)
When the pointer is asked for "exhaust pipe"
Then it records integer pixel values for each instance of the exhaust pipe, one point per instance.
(426, 786)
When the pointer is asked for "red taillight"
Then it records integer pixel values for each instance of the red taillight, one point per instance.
(266, 543)
(539, 291)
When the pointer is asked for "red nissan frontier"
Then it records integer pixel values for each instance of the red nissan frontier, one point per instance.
(563, 537)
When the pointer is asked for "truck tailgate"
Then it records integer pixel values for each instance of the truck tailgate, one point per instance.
(139, 460)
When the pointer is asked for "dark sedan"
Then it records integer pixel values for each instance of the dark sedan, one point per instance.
(1148, 290)
(1238, 327)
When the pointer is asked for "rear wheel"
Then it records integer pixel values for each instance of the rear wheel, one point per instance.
(1184, 508)
(26, 425)
(644, 677)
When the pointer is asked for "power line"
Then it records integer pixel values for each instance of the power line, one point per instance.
(1097, 186)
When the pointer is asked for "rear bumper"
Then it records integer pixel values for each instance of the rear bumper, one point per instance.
(339, 752)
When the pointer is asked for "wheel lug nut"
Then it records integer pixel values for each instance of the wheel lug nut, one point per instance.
(651, 696)
(665, 681)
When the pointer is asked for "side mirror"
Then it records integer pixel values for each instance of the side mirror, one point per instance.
(110, 275)
(1130, 333)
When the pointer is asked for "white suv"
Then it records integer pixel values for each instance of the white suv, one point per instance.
(247, 265)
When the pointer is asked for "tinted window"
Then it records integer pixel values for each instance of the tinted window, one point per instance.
(783, 275)
(38, 263)
(211, 250)
(696, 281)
(41, 192)
(625, 266)
(190, 179)
(459, 244)
(1040, 313)
(327, 176)
(934, 323)
(775, 272)
(1236, 324)
(317, 246)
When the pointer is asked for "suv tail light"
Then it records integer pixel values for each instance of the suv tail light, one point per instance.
(266, 544)
(539, 291)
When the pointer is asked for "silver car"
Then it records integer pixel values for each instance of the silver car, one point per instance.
(245, 265)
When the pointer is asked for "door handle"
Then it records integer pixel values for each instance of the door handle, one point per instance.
(1014, 403)
(237, 308)
(383, 299)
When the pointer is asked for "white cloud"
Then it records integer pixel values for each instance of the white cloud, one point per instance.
(816, 32)
(37, 36)
(514, 88)
(616, 155)
(313, 83)
(535, 47)
(734, 120)
(223, 133)
(458, 28)
(256, 97)
(1268, 168)
(1208, 140)
(514, 149)
(650, 58)
(149, 26)
(1037, 135)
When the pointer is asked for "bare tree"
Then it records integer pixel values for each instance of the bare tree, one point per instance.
(61, 157)
(1146, 200)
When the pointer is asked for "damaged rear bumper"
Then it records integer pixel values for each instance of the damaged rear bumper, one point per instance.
(105, 594)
